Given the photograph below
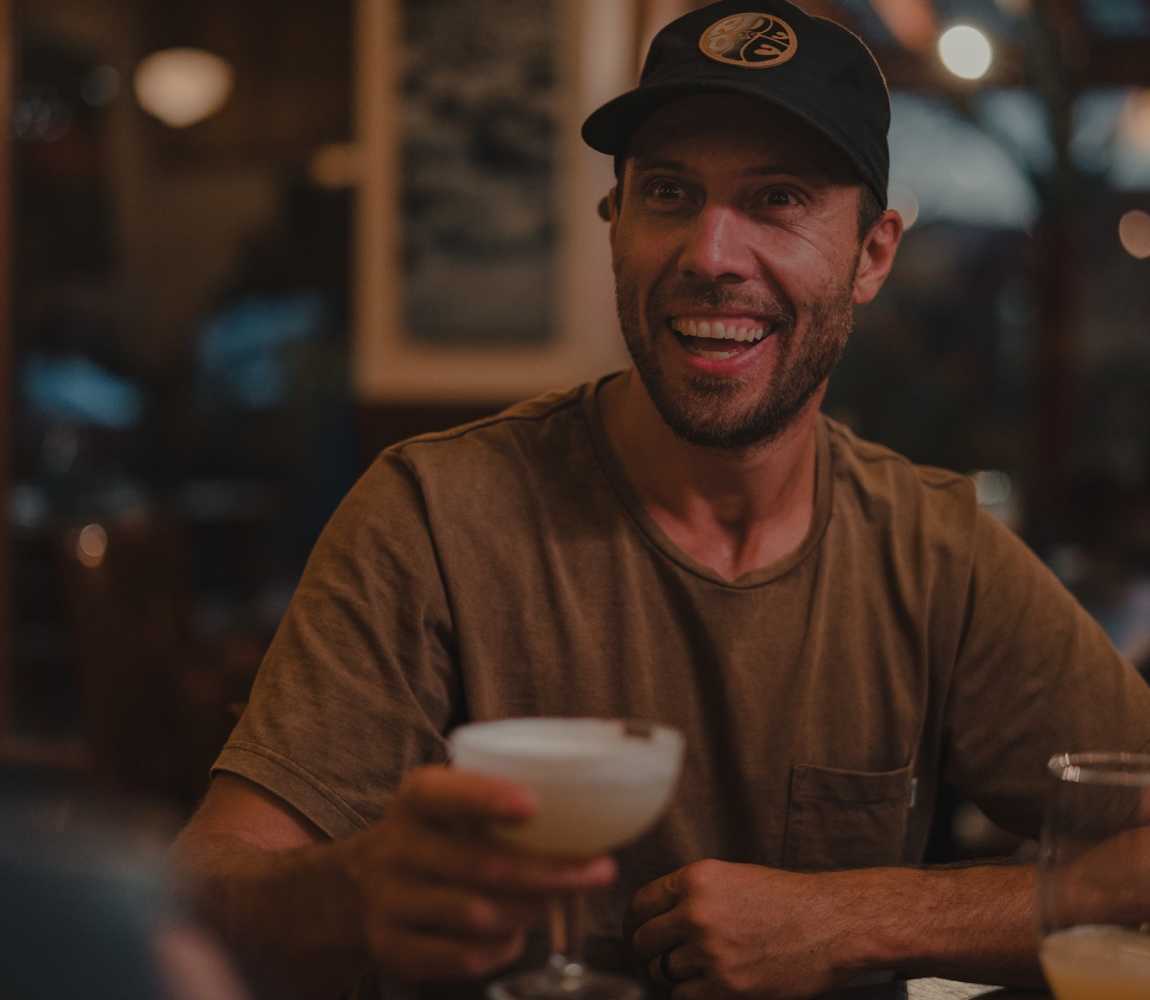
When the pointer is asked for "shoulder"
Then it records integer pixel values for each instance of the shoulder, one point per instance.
(528, 457)
(546, 425)
(880, 484)
(460, 463)
(536, 455)
(529, 418)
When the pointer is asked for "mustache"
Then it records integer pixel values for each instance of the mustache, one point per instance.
(684, 297)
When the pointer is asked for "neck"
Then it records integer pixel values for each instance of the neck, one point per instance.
(735, 511)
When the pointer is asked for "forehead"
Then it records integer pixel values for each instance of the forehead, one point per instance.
(708, 127)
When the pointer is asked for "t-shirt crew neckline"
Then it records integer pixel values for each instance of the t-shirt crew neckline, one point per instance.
(655, 536)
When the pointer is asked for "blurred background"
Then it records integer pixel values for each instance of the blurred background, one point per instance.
(246, 245)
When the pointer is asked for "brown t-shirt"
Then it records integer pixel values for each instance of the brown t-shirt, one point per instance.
(506, 568)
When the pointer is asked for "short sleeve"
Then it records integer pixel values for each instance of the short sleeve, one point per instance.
(358, 685)
(1035, 676)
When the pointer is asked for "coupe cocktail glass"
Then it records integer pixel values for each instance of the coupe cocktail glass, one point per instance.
(599, 784)
(1094, 877)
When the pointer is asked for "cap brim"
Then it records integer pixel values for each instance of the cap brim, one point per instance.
(609, 128)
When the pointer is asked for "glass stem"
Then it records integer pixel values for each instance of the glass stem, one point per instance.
(566, 935)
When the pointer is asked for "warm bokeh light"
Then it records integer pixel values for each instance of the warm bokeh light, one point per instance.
(912, 22)
(904, 201)
(183, 86)
(92, 545)
(336, 166)
(1135, 121)
(965, 51)
(1134, 232)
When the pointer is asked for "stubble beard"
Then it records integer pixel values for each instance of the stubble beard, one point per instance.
(702, 412)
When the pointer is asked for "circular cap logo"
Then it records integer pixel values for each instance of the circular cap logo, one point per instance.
(753, 41)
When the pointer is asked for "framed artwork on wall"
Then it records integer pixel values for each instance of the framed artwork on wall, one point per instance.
(482, 267)
(480, 117)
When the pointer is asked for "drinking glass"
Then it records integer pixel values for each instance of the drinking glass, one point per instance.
(1094, 877)
(599, 783)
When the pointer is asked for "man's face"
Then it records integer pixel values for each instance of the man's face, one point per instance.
(735, 247)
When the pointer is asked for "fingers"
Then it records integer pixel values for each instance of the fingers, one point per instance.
(442, 900)
(445, 811)
(677, 965)
(664, 932)
(422, 928)
(482, 865)
(458, 912)
(655, 898)
(449, 795)
(416, 956)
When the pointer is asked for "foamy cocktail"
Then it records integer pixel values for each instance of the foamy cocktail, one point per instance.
(599, 783)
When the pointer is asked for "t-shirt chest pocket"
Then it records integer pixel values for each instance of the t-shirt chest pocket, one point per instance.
(846, 819)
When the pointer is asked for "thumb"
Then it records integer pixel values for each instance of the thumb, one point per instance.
(443, 794)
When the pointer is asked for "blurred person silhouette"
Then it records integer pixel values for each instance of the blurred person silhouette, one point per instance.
(87, 908)
(834, 629)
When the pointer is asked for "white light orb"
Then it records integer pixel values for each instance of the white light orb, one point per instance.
(1134, 232)
(992, 487)
(966, 52)
(904, 201)
(183, 86)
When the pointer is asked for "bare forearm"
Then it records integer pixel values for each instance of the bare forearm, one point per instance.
(290, 919)
(972, 923)
(417, 897)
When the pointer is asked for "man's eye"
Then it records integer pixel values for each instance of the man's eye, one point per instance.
(777, 197)
(664, 192)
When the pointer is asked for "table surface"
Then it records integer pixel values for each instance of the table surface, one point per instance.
(945, 989)
(933, 989)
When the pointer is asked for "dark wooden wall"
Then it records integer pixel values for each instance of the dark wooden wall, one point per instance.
(6, 78)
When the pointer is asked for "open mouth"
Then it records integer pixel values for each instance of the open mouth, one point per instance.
(718, 338)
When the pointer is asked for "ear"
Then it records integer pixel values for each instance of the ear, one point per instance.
(608, 208)
(610, 204)
(876, 257)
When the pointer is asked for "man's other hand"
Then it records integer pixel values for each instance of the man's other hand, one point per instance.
(714, 930)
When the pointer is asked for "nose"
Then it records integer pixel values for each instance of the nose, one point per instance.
(716, 247)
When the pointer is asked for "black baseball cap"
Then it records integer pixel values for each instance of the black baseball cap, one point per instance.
(771, 50)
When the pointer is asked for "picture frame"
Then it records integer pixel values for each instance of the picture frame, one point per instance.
(595, 52)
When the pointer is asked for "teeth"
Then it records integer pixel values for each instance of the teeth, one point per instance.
(719, 330)
(711, 355)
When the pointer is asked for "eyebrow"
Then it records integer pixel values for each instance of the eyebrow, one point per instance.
(758, 170)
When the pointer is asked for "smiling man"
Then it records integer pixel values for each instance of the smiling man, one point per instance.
(833, 629)
(742, 240)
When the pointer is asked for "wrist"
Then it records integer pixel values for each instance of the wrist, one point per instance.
(346, 865)
(972, 923)
(880, 935)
